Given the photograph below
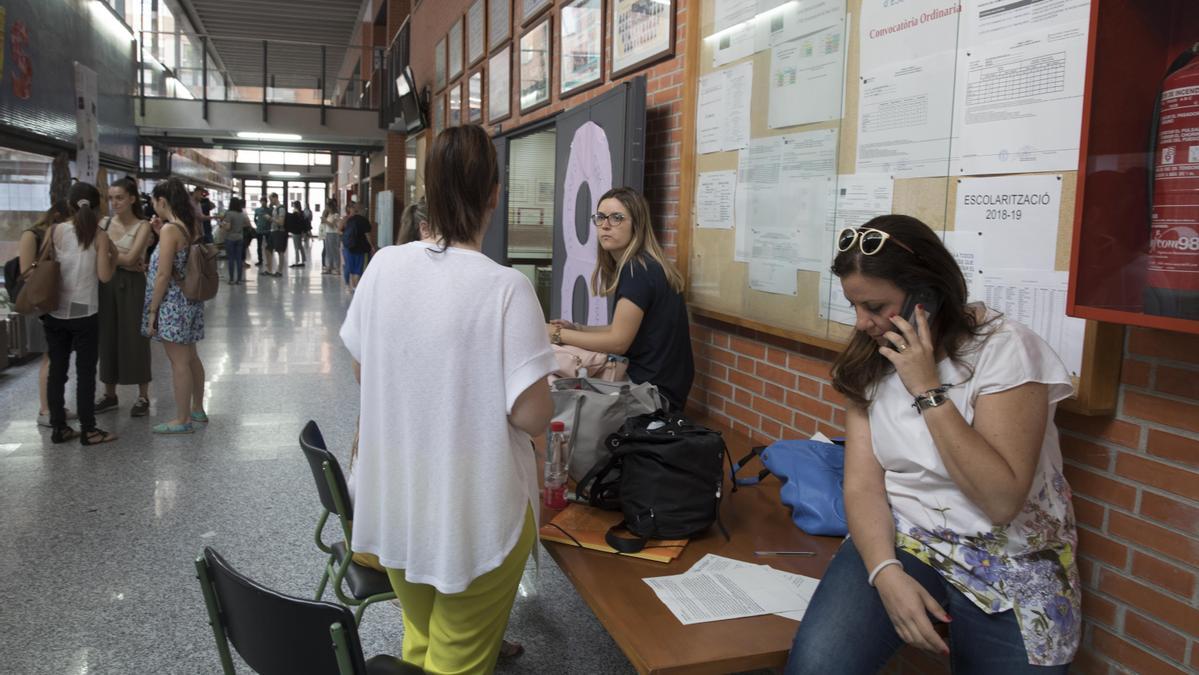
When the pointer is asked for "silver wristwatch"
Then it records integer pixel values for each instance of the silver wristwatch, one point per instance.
(931, 399)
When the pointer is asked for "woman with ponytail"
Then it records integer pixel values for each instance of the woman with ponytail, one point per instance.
(86, 258)
(169, 316)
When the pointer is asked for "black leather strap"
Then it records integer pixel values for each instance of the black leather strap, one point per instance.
(624, 544)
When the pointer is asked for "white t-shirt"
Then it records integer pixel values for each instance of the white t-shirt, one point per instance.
(447, 342)
(79, 293)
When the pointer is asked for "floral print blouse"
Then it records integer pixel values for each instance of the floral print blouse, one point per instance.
(1026, 566)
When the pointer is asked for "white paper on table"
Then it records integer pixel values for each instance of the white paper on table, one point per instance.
(723, 109)
(1016, 217)
(773, 277)
(805, 587)
(987, 20)
(905, 118)
(893, 32)
(806, 77)
(1019, 102)
(1037, 299)
(966, 250)
(698, 597)
(714, 199)
(716, 563)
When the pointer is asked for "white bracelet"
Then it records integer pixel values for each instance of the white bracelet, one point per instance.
(880, 567)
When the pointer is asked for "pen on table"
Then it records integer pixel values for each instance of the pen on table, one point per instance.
(800, 553)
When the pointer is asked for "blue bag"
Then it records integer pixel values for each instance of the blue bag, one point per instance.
(811, 473)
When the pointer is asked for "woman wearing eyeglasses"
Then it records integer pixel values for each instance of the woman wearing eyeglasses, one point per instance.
(650, 325)
(958, 511)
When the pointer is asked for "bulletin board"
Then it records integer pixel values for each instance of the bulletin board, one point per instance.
(719, 286)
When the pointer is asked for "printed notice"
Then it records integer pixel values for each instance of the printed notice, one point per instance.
(905, 118)
(714, 199)
(908, 31)
(964, 246)
(723, 109)
(1016, 218)
(723, 588)
(859, 198)
(806, 77)
(773, 277)
(1037, 299)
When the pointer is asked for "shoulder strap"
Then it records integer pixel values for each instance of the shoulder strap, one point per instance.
(47, 251)
(598, 492)
(624, 544)
(734, 468)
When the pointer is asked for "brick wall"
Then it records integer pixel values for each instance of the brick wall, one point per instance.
(431, 20)
(1135, 477)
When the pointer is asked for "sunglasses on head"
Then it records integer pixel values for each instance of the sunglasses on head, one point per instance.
(868, 239)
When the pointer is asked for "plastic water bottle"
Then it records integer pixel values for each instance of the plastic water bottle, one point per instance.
(554, 492)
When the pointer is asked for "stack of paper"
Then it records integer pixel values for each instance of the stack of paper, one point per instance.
(718, 588)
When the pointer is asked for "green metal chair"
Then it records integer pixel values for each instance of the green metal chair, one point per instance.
(365, 585)
(277, 634)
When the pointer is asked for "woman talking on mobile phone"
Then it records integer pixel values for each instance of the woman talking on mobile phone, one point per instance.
(957, 508)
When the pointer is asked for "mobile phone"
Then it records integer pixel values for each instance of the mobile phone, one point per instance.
(920, 296)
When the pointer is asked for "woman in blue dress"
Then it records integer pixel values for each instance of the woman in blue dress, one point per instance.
(169, 317)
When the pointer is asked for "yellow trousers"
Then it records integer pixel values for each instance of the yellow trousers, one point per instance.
(449, 634)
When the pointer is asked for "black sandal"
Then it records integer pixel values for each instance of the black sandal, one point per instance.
(96, 436)
(63, 434)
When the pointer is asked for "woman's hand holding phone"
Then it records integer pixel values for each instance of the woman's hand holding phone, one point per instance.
(912, 352)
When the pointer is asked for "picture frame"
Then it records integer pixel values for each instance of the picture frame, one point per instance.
(438, 114)
(474, 98)
(499, 85)
(499, 23)
(454, 110)
(439, 78)
(476, 32)
(580, 46)
(535, 60)
(454, 42)
(531, 9)
(641, 33)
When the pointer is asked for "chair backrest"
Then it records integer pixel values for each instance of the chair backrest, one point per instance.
(276, 633)
(312, 442)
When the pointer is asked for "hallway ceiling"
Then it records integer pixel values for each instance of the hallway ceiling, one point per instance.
(306, 23)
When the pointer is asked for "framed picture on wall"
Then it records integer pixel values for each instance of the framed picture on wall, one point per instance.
(474, 98)
(499, 83)
(499, 23)
(455, 107)
(529, 9)
(642, 33)
(439, 65)
(534, 60)
(580, 45)
(438, 114)
(476, 32)
(455, 45)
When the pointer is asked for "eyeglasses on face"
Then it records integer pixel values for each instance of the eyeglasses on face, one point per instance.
(612, 219)
(868, 239)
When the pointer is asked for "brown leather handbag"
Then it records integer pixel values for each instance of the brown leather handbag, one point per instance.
(40, 284)
(200, 280)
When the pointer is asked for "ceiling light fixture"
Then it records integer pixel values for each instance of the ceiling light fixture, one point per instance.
(268, 136)
(285, 174)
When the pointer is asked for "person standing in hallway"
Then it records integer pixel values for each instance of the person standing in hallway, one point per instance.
(262, 227)
(203, 207)
(170, 317)
(415, 361)
(414, 223)
(29, 245)
(124, 352)
(234, 225)
(86, 258)
(276, 258)
(294, 224)
(330, 232)
(356, 244)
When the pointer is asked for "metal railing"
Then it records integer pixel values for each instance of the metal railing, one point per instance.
(212, 68)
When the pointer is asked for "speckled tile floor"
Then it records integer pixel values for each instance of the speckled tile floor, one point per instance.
(96, 567)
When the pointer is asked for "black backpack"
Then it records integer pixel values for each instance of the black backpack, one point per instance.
(665, 475)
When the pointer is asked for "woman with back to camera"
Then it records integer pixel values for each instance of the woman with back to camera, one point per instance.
(170, 317)
(86, 258)
(331, 238)
(124, 351)
(235, 223)
(650, 325)
(451, 354)
(29, 245)
(953, 488)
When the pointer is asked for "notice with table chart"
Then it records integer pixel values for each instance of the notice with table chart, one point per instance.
(1037, 299)
(1016, 218)
(731, 593)
(1019, 102)
(987, 20)
(806, 77)
(723, 109)
(859, 198)
(714, 199)
(905, 118)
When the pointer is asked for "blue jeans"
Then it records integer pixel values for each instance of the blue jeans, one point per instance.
(846, 629)
(234, 257)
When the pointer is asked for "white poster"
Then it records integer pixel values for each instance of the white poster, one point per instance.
(908, 30)
(1037, 299)
(729, 13)
(87, 143)
(1016, 218)
(989, 20)
(1019, 102)
(714, 199)
(806, 77)
(733, 44)
(859, 199)
(966, 250)
(905, 118)
(773, 277)
(723, 109)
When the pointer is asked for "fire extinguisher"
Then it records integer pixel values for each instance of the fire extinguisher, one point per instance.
(1172, 287)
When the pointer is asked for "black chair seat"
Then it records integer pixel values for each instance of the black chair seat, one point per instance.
(390, 665)
(363, 581)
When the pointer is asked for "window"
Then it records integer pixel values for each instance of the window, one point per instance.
(271, 157)
(295, 158)
(253, 193)
(316, 198)
(247, 157)
(531, 195)
(322, 159)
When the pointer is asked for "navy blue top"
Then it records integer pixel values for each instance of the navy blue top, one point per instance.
(661, 351)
